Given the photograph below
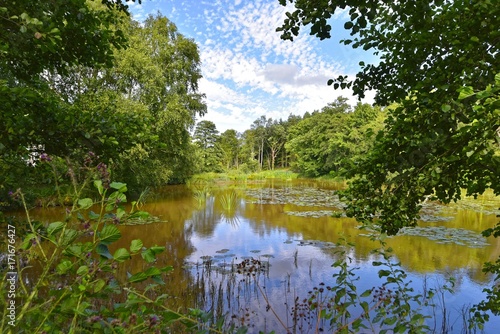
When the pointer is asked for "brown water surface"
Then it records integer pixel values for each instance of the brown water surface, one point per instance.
(288, 227)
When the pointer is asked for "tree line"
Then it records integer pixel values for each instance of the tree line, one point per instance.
(321, 142)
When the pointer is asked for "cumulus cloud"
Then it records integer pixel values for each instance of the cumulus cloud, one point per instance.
(248, 70)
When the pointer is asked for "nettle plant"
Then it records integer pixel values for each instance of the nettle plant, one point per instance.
(68, 270)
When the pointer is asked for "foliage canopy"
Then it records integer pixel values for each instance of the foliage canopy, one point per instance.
(439, 61)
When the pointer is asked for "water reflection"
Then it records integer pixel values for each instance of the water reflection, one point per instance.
(209, 230)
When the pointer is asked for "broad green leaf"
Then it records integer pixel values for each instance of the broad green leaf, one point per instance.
(93, 215)
(109, 234)
(73, 250)
(98, 185)
(83, 270)
(148, 255)
(121, 255)
(382, 273)
(85, 203)
(98, 285)
(136, 246)
(153, 271)
(122, 187)
(103, 251)
(465, 92)
(70, 235)
(139, 277)
(366, 293)
(54, 227)
(27, 242)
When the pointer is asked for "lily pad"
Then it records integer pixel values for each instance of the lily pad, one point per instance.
(300, 197)
(312, 214)
(446, 235)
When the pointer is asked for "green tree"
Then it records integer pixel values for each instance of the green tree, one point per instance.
(161, 69)
(276, 138)
(230, 147)
(55, 35)
(206, 136)
(40, 41)
(260, 128)
(328, 141)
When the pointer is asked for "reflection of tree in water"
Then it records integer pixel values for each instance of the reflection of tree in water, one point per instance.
(204, 220)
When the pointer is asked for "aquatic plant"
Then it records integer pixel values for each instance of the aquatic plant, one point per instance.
(229, 202)
(201, 195)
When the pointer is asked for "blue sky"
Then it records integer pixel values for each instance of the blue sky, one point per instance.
(248, 71)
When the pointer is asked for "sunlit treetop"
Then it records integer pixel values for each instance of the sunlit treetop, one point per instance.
(52, 35)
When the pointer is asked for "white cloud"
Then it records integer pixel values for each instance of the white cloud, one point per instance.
(248, 70)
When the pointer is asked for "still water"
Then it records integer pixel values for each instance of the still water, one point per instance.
(286, 232)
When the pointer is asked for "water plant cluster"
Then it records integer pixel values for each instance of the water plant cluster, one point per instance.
(447, 235)
(300, 197)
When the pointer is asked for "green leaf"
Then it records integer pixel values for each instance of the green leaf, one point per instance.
(109, 234)
(382, 273)
(63, 267)
(98, 285)
(93, 215)
(153, 271)
(390, 321)
(103, 251)
(85, 203)
(465, 92)
(136, 246)
(70, 235)
(366, 293)
(445, 107)
(170, 316)
(139, 277)
(98, 185)
(54, 227)
(26, 244)
(121, 255)
(73, 250)
(83, 270)
(148, 255)
(122, 187)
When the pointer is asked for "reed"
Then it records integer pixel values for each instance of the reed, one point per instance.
(229, 202)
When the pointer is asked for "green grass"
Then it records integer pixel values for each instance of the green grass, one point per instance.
(235, 175)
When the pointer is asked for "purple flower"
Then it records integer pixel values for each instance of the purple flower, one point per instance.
(45, 157)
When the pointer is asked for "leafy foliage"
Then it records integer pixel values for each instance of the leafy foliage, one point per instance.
(328, 142)
(206, 137)
(443, 135)
(135, 113)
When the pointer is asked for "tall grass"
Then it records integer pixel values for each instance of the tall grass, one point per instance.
(236, 175)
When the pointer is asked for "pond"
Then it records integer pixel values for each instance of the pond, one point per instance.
(256, 252)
